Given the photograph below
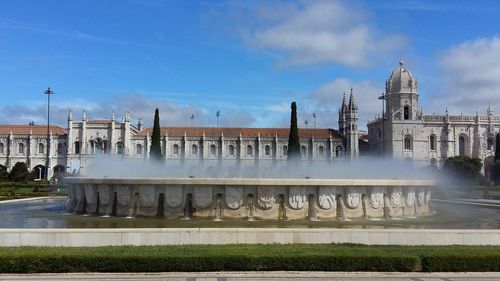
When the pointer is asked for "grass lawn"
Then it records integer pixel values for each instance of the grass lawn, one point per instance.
(17, 190)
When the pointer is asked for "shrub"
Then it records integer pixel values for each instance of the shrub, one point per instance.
(19, 172)
(464, 169)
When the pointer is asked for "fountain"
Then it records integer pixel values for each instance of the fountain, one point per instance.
(250, 198)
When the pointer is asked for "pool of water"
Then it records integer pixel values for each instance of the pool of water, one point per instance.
(49, 213)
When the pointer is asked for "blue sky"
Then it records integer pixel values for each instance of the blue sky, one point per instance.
(248, 59)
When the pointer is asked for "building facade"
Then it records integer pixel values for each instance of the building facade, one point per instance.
(405, 132)
(74, 146)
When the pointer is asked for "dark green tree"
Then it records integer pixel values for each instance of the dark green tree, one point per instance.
(293, 137)
(3, 173)
(155, 152)
(464, 169)
(496, 165)
(19, 172)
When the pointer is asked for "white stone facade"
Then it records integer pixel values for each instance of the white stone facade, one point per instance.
(404, 132)
(86, 139)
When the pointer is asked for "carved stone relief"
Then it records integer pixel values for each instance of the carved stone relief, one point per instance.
(103, 190)
(410, 196)
(234, 197)
(377, 197)
(265, 197)
(173, 196)
(326, 198)
(123, 195)
(353, 197)
(147, 196)
(203, 196)
(90, 194)
(296, 197)
(421, 197)
(396, 197)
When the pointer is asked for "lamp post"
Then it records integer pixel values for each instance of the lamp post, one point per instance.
(48, 92)
(314, 118)
(192, 118)
(382, 98)
(218, 115)
(306, 122)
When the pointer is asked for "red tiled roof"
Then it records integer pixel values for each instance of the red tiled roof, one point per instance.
(244, 132)
(34, 129)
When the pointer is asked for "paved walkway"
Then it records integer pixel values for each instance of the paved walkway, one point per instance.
(247, 276)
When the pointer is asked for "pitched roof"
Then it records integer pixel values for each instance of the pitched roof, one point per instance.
(39, 130)
(244, 132)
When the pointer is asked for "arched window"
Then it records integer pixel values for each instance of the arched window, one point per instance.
(231, 150)
(119, 147)
(194, 149)
(41, 148)
(461, 146)
(432, 140)
(1, 147)
(267, 150)
(60, 148)
(213, 150)
(407, 143)
(176, 149)
(285, 150)
(77, 147)
(303, 150)
(249, 150)
(491, 143)
(338, 151)
(138, 149)
(21, 148)
(321, 151)
(406, 112)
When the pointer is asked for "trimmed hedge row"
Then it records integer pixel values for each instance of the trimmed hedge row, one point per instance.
(34, 264)
(297, 257)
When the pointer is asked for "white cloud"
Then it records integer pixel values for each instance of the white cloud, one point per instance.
(318, 32)
(171, 113)
(470, 74)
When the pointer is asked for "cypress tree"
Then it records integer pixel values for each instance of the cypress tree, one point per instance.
(496, 165)
(497, 148)
(293, 138)
(155, 152)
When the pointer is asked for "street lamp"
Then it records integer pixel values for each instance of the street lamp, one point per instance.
(48, 92)
(192, 118)
(218, 115)
(306, 122)
(314, 118)
(382, 98)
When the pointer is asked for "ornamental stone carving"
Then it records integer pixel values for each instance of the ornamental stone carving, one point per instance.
(421, 197)
(90, 194)
(296, 197)
(427, 197)
(203, 196)
(265, 197)
(396, 197)
(78, 192)
(147, 196)
(377, 197)
(234, 197)
(123, 195)
(326, 198)
(173, 196)
(353, 197)
(410, 196)
(103, 190)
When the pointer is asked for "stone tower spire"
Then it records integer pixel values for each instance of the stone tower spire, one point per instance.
(351, 127)
(342, 110)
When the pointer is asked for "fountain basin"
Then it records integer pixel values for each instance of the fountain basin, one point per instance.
(249, 198)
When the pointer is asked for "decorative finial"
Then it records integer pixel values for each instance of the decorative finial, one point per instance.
(84, 116)
(113, 115)
(401, 63)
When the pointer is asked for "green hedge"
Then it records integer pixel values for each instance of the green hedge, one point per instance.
(298, 257)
